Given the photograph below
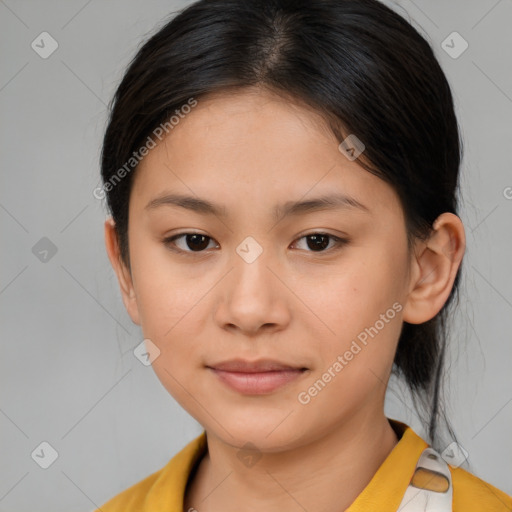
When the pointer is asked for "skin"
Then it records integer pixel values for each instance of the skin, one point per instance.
(248, 152)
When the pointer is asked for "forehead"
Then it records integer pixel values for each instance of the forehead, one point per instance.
(254, 146)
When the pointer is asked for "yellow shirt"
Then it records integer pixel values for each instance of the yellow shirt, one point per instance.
(164, 490)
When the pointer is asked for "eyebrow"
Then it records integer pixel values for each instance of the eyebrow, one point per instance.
(204, 207)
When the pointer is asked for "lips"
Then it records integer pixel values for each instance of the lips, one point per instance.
(255, 377)
(263, 365)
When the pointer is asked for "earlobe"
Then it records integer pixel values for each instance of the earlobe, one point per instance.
(435, 264)
(122, 272)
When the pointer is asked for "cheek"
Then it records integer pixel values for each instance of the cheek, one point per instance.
(167, 302)
(354, 294)
(361, 305)
(170, 308)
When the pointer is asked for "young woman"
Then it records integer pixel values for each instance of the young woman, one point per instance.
(283, 178)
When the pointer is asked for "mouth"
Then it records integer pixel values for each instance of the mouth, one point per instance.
(256, 377)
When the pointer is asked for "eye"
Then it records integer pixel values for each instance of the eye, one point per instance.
(317, 242)
(197, 242)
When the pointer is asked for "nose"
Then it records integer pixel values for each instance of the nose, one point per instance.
(253, 298)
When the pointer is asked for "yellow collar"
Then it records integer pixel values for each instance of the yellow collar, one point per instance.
(384, 491)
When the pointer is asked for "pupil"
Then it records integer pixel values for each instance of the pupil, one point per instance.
(317, 242)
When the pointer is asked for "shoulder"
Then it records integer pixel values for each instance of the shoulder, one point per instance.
(163, 489)
(133, 497)
(470, 493)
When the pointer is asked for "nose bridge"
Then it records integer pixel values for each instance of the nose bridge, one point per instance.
(251, 261)
(250, 250)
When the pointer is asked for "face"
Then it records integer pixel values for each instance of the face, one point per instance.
(235, 275)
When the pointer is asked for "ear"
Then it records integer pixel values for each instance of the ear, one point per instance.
(434, 266)
(123, 273)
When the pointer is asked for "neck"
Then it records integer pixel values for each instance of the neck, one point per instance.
(325, 475)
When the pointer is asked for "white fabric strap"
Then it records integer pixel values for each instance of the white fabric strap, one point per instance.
(430, 489)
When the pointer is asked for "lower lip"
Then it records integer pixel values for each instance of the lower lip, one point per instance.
(257, 383)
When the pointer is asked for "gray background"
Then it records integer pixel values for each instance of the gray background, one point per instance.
(68, 373)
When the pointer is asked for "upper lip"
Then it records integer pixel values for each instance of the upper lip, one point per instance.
(261, 365)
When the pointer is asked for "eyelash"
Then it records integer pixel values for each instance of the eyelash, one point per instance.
(340, 242)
